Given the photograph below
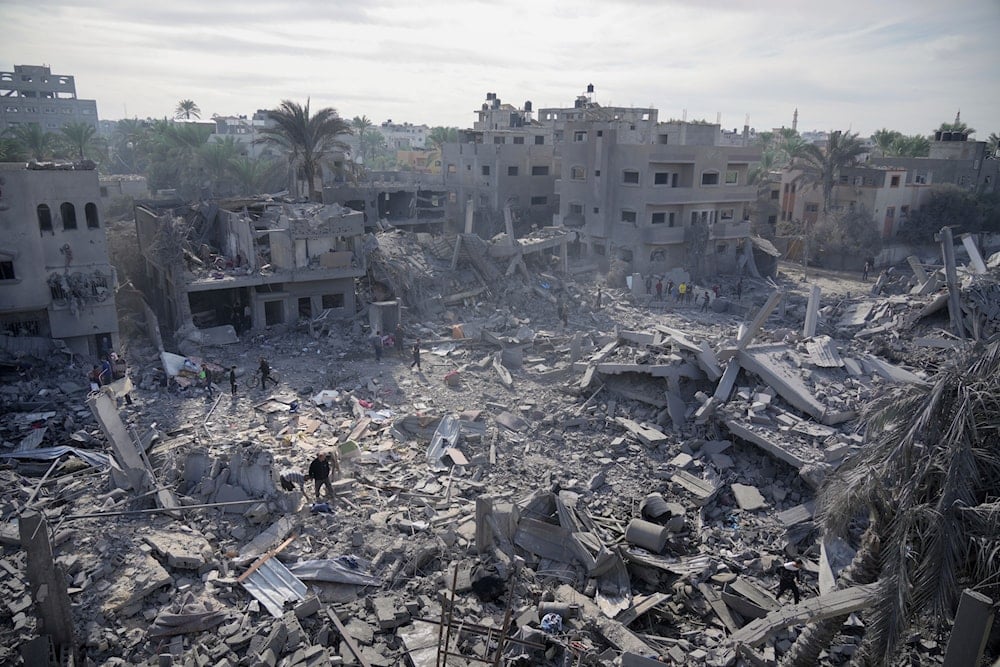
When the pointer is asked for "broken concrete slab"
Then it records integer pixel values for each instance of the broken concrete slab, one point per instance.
(748, 497)
(181, 550)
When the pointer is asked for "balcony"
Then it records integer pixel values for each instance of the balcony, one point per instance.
(730, 230)
(661, 235)
(661, 195)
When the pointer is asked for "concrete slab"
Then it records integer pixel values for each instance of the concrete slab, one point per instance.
(748, 497)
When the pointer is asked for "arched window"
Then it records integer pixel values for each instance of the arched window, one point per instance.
(90, 211)
(68, 213)
(44, 218)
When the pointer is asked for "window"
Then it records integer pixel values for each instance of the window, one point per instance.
(597, 173)
(512, 171)
(659, 218)
(518, 140)
(732, 177)
(576, 209)
(451, 169)
(539, 140)
(580, 135)
(484, 200)
(663, 139)
(812, 208)
(894, 182)
(90, 212)
(577, 173)
(721, 248)
(104, 191)
(904, 211)
(890, 212)
(68, 213)
(486, 170)
(600, 133)
(661, 178)
(498, 140)
(539, 201)
(710, 178)
(772, 219)
(540, 170)
(630, 176)
(7, 270)
(333, 301)
(44, 218)
(629, 216)
(726, 214)
(596, 210)
(775, 194)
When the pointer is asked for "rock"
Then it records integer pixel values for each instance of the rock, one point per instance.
(747, 497)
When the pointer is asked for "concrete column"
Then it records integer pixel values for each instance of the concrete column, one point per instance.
(758, 321)
(974, 257)
(951, 276)
(918, 269)
(971, 630)
(47, 581)
(812, 312)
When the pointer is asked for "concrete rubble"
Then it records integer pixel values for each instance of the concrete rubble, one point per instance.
(609, 491)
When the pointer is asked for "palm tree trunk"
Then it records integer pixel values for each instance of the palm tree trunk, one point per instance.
(816, 637)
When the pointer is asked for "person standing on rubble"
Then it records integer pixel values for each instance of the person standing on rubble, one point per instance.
(659, 289)
(561, 310)
(788, 577)
(265, 373)
(377, 346)
(232, 380)
(291, 478)
(400, 348)
(649, 285)
(416, 356)
(704, 302)
(681, 292)
(739, 290)
(319, 473)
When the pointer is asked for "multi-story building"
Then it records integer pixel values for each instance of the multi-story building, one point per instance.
(403, 136)
(55, 277)
(505, 160)
(952, 159)
(657, 196)
(882, 193)
(401, 198)
(33, 94)
(255, 264)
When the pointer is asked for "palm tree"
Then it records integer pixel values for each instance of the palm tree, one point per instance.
(187, 108)
(79, 136)
(216, 158)
(362, 126)
(957, 126)
(821, 166)
(915, 145)
(926, 483)
(252, 176)
(439, 136)
(993, 144)
(129, 141)
(38, 143)
(884, 140)
(307, 138)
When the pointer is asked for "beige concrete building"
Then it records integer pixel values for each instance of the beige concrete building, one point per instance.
(657, 196)
(33, 94)
(952, 159)
(883, 193)
(250, 263)
(55, 277)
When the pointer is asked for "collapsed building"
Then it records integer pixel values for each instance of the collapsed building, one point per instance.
(250, 263)
(56, 281)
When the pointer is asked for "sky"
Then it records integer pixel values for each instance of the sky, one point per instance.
(856, 65)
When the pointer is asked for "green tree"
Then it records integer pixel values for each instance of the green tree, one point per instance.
(216, 159)
(957, 126)
(186, 109)
(439, 136)
(925, 483)
(11, 149)
(884, 140)
(80, 137)
(129, 146)
(915, 145)
(993, 144)
(362, 127)
(253, 176)
(308, 139)
(821, 166)
(947, 206)
(173, 153)
(36, 142)
(850, 235)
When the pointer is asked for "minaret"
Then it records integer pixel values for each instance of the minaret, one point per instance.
(795, 120)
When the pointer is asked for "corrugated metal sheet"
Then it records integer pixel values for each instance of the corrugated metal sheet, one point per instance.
(273, 585)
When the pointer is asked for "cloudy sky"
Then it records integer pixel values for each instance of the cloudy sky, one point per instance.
(857, 64)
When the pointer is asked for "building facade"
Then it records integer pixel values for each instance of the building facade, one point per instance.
(56, 279)
(656, 196)
(256, 264)
(33, 94)
(404, 136)
(952, 159)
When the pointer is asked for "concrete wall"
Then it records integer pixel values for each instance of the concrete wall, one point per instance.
(61, 270)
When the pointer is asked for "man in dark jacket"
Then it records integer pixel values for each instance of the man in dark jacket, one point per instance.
(319, 473)
(788, 577)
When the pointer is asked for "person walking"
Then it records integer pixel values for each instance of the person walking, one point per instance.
(400, 348)
(682, 292)
(377, 346)
(265, 373)
(649, 285)
(598, 299)
(319, 473)
(206, 379)
(659, 289)
(739, 290)
(864, 274)
(788, 577)
(232, 380)
(416, 356)
(704, 302)
(670, 288)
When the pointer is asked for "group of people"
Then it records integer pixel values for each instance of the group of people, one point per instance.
(685, 292)
(379, 342)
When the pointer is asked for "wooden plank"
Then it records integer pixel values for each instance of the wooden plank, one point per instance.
(348, 639)
(266, 557)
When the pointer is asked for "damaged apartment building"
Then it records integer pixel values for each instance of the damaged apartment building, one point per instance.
(55, 277)
(249, 263)
(407, 199)
(657, 196)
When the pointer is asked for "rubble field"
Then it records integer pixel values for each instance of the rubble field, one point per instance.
(618, 490)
